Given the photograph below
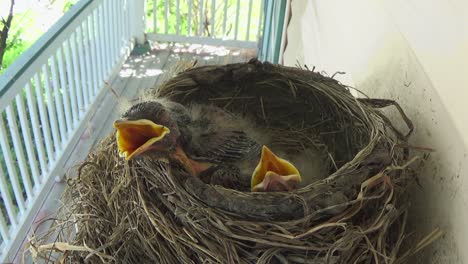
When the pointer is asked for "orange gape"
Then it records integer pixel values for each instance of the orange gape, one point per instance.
(274, 174)
(137, 136)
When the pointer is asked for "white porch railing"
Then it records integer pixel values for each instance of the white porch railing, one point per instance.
(235, 23)
(45, 97)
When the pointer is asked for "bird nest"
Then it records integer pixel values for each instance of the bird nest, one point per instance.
(138, 211)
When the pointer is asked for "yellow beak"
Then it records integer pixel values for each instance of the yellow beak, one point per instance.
(136, 136)
(274, 174)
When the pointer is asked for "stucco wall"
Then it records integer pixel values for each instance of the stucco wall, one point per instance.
(416, 52)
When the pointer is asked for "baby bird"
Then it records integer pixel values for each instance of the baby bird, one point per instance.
(274, 174)
(235, 145)
(152, 127)
(218, 136)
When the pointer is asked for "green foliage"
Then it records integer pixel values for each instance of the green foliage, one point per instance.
(14, 47)
(19, 39)
(68, 4)
(25, 30)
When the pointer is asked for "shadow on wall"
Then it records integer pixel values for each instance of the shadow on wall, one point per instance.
(384, 59)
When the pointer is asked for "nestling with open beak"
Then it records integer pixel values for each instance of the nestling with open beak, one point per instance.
(149, 127)
(235, 145)
(274, 174)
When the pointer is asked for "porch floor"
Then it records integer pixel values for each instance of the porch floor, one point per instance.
(137, 74)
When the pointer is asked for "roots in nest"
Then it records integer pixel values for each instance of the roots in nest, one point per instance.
(141, 211)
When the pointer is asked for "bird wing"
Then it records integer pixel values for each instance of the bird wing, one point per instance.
(224, 147)
(218, 136)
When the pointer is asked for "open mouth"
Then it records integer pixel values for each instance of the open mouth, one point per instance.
(137, 136)
(272, 168)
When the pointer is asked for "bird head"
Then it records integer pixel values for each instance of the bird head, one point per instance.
(274, 174)
(145, 126)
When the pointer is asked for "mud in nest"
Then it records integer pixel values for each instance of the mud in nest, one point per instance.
(140, 211)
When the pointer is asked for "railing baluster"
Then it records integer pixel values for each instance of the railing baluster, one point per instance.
(120, 38)
(200, 22)
(44, 119)
(84, 81)
(236, 30)
(58, 100)
(97, 48)
(104, 34)
(247, 36)
(213, 14)
(123, 22)
(102, 44)
(18, 147)
(6, 198)
(4, 229)
(120, 27)
(12, 175)
(64, 96)
(87, 55)
(178, 17)
(166, 17)
(128, 17)
(111, 30)
(126, 23)
(225, 17)
(155, 16)
(76, 75)
(38, 142)
(189, 18)
(51, 109)
(70, 92)
(104, 19)
(114, 33)
(108, 28)
(91, 40)
(25, 129)
(259, 31)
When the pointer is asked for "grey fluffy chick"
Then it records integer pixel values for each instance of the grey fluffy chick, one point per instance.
(236, 146)
(152, 127)
(226, 141)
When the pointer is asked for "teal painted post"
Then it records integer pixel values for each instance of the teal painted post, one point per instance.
(279, 30)
(270, 46)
